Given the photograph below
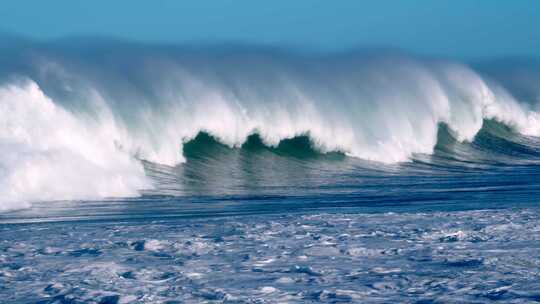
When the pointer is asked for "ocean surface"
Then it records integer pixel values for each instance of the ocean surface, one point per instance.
(134, 173)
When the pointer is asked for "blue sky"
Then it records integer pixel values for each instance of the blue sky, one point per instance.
(449, 28)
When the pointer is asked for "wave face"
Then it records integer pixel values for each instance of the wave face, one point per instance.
(94, 119)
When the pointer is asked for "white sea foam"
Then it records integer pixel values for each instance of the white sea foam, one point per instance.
(49, 153)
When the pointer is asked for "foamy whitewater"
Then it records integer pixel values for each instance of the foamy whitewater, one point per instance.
(140, 173)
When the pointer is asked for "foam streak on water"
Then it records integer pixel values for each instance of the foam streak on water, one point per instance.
(469, 256)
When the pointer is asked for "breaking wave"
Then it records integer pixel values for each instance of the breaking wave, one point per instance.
(78, 118)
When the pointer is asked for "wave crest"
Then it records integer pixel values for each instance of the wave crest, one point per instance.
(101, 113)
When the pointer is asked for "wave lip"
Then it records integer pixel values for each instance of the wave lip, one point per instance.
(385, 115)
